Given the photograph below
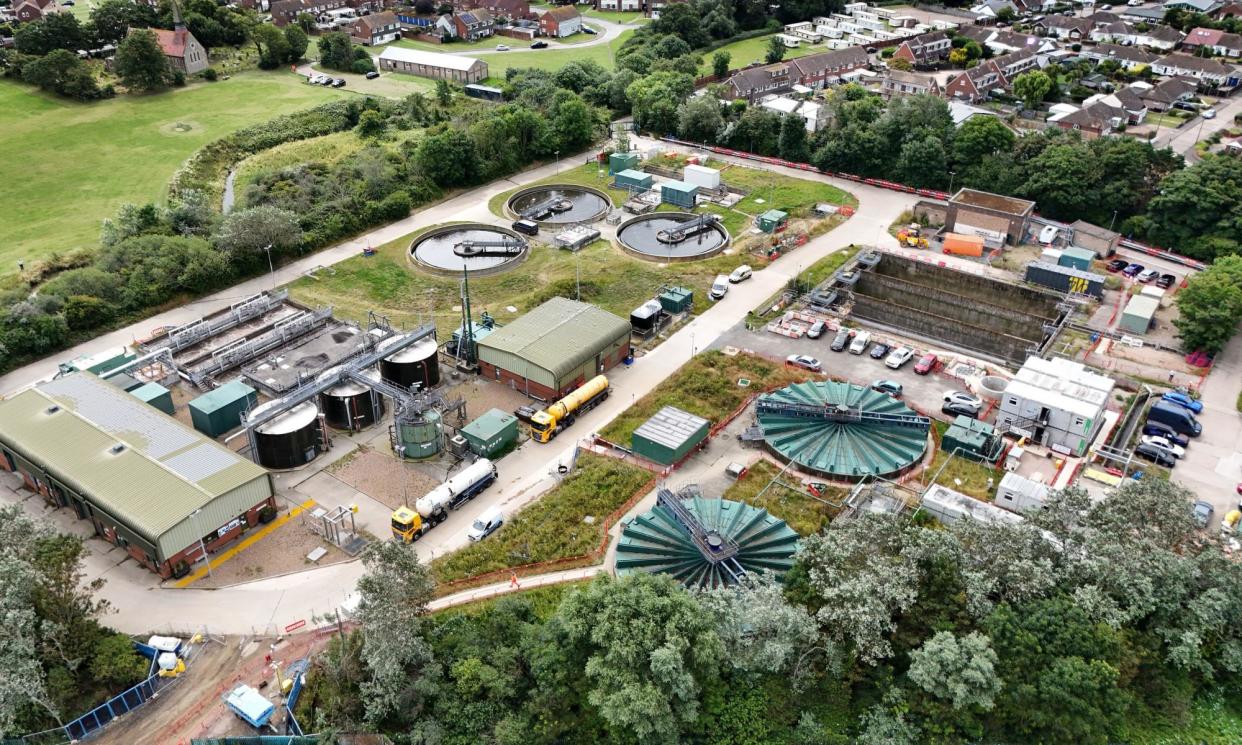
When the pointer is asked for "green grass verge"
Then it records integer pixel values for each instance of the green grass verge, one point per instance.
(793, 195)
(74, 163)
(804, 514)
(553, 59)
(822, 269)
(743, 53)
(963, 474)
(617, 16)
(706, 386)
(554, 526)
(544, 601)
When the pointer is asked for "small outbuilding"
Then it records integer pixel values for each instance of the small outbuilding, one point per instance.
(1077, 258)
(491, 433)
(679, 193)
(1019, 494)
(219, 411)
(618, 162)
(632, 180)
(669, 436)
(708, 178)
(156, 395)
(772, 221)
(676, 299)
(1139, 314)
(970, 438)
(1065, 278)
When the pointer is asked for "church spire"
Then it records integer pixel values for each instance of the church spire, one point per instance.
(178, 24)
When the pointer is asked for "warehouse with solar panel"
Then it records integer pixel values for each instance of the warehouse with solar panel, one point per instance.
(842, 431)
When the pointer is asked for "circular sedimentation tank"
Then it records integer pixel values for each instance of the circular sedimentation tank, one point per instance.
(559, 204)
(422, 436)
(841, 430)
(656, 542)
(477, 246)
(350, 405)
(290, 440)
(663, 236)
(417, 366)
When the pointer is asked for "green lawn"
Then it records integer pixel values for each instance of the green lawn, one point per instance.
(743, 53)
(73, 164)
(618, 16)
(553, 59)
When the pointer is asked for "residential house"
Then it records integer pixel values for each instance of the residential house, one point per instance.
(184, 53)
(925, 49)
(753, 83)
(561, 21)
(1071, 28)
(1001, 41)
(1161, 38)
(811, 113)
(1126, 100)
(375, 29)
(285, 12)
(1127, 56)
(1209, 72)
(812, 71)
(993, 8)
(962, 112)
(434, 65)
(1015, 63)
(1164, 94)
(901, 83)
(33, 10)
(1142, 14)
(1216, 41)
(472, 25)
(623, 5)
(1230, 10)
(976, 83)
(511, 10)
(1207, 7)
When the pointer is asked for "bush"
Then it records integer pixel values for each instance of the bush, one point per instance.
(210, 75)
(178, 78)
(363, 66)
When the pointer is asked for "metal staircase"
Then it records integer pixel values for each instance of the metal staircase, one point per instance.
(717, 549)
(840, 413)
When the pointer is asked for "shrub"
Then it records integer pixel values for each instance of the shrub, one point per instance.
(210, 75)
(363, 66)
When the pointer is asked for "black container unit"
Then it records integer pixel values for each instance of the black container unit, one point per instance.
(416, 365)
(291, 440)
(351, 406)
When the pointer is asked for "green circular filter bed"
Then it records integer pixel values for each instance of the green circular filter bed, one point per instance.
(842, 430)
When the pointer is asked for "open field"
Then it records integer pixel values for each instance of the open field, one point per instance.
(743, 53)
(804, 514)
(552, 59)
(79, 162)
(617, 16)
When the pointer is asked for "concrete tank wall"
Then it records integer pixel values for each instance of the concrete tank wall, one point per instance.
(947, 304)
(1042, 304)
(932, 326)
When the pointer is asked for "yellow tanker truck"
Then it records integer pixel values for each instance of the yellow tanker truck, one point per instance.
(546, 424)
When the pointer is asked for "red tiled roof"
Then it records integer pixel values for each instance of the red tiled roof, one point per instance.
(172, 42)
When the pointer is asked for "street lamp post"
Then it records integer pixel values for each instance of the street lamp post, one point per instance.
(1112, 221)
(270, 268)
(202, 547)
(558, 162)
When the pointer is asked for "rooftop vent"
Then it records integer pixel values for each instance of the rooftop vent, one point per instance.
(53, 409)
(116, 449)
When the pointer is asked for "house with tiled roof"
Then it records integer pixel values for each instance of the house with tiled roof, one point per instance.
(1215, 40)
(1163, 95)
(1158, 37)
(1126, 56)
(286, 12)
(813, 71)
(512, 10)
(1208, 72)
(1065, 27)
(561, 21)
(1094, 120)
(753, 83)
(925, 49)
(901, 83)
(995, 74)
(471, 25)
(33, 10)
(375, 29)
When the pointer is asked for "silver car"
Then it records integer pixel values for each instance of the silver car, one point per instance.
(963, 398)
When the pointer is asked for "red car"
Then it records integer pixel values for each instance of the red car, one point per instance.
(926, 364)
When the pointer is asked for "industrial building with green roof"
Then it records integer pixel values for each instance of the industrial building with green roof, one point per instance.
(148, 483)
(554, 348)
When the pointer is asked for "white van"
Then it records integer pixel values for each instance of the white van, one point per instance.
(1048, 234)
(861, 340)
(720, 286)
(486, 524)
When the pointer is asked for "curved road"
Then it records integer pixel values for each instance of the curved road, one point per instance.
(141, 607)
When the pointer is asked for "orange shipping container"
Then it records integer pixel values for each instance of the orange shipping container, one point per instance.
(964, 245)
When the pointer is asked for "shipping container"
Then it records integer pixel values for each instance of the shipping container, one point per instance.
(708, 178)
(669, 436)
(772, 221)
(963, 245)
(634, 180)
(618, 162)
(219, 411)
(1065, 279)
(1077, 258)
(676, 299)
(491, 433)
(1139, 314)
(679, 193)
(156, 395)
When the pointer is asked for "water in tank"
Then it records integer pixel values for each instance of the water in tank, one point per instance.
(351, 406)
(421, 437)
(415, 365)
(290, 440)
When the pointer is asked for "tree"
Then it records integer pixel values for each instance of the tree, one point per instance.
(654, 100)
(1210, 306)
(775, 50)
(682, 20)
(393, 595)
(448, 158)
(762, 632)
(111, 19)
(141, 62)
(903, 64)
(957, 57)
(793, 145)
(444, 92)
(574, 125)
(306, 22)
(922, 163)
(115, 662)
(62, 72)
(371, 124)
(647, 650)
(700, 120)
(1031, 86)
(298, 41)
(1199, 209)
(337, 52)
(55, 31)
(249, 231)
(1006, 14)
(1061, 180)
(981, 136)
(720, 64)
(84, 312)
(271, 44)
(960, 670)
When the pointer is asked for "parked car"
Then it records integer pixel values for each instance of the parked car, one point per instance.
(486, 524)
(1177, 451)
(1202, 512)
(899, 357)
(1148, 276)
(840, 340)
(372, 75)
(1048, 234)
(325, 80)
(720, 287)
(338, 83)
(539, 45)
(803, 361)
(879, 350)
(1117, 265)
(1132, 270)
(956, 408)
(861, 340)
(741, 274)
(816, 330)
(963, 398)
(1165, 431)
(890, 387)
(588, 30)
(926, 364)
(1156, 455)
(1177, 417)
(502, 47)
(1208, 113)
(1166, 281)
(1181, 399)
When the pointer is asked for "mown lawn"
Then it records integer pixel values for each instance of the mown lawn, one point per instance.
(70, 164)
(552, 59)
(618, 16)
(553, 527)
(743, 53)
(804, 514)
(706, 386)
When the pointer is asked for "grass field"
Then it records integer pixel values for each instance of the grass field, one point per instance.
(618, 16)
(961, 474)
(72, 164)
(553, 59)
(747, 51)
(803, 513)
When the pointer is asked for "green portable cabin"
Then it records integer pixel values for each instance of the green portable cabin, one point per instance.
(1139, 314)
(219, 411)
(1077, 258)
(676, 300)
(772, 220)
(669, 436)
(618, 162)
(156, 395)
(491, 433)
(679, 193)
(971, 438)
(632, 180)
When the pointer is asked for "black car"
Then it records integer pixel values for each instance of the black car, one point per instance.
(1165, 431)
(372, 75)
(1156, 455)
(880, 350)
(1117, 265)
(959, 409)
(338, 83)
(1165, 281)
(588, 30)
(539, 45)
(840, 341)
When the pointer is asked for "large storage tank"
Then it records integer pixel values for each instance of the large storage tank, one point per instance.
(418, 364)
(290, 440)
(351, 406)
(422, 436)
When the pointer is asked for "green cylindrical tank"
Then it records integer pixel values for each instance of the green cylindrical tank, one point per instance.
(421, 437)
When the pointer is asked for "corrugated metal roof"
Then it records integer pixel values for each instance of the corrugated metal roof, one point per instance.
(225, 395)
(492, 423)
(671, 427)
(559, 335)
(774, 215)
(1142, 306)
(139, 464)
(430, 59)
(680, 186)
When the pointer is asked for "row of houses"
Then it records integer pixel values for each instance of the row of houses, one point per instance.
(813, 71)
